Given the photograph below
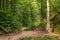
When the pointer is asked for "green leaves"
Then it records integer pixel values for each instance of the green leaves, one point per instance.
(55, 12)
(15, 14)
(40, 38)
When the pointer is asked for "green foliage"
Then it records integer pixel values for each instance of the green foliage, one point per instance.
(9, 22)
(55, 12)
(35, 13)
(9, 18)
(56, 29)
(40, 38)
(31, 14)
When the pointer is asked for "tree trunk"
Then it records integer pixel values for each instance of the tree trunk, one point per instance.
(48, 19)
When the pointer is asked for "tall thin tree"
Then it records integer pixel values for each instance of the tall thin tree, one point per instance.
(48, 15)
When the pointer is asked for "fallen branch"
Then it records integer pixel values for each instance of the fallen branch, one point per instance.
(3, 28)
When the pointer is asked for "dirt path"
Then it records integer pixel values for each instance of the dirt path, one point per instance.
(17, 35)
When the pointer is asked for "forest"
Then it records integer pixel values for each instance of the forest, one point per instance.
(27, 15)
(15, 14)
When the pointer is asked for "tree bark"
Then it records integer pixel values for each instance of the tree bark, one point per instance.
(48, 19)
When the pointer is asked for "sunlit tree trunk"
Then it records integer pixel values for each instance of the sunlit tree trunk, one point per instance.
(48, 19)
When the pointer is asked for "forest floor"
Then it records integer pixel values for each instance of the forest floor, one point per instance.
(20, 34)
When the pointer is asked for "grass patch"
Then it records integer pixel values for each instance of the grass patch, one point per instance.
(40, 38)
